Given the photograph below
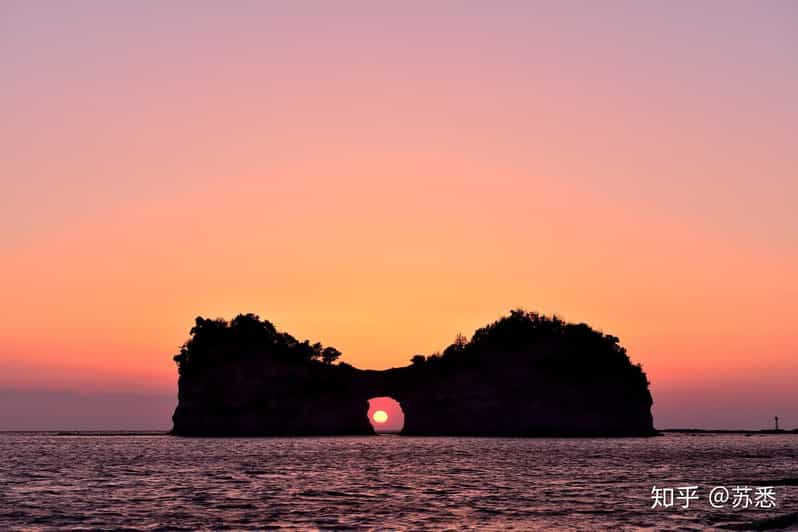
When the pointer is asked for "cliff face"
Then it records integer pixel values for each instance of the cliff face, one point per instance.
(253, 397)
(515, 378)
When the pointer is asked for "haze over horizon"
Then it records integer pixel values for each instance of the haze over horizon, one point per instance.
(382, 178)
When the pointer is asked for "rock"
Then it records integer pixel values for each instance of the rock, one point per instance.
(524, 375)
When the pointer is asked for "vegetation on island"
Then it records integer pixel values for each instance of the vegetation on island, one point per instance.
(214, 341)
(548, 342)
(553, 344)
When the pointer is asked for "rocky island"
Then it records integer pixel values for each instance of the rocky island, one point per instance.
(524, 375)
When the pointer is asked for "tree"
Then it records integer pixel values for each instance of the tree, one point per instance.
(329, 355)
(417, 360)
(459, 345)
(215, 342)
(316, 351)
(460, 341)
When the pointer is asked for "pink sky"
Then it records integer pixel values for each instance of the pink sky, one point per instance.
(380, 179)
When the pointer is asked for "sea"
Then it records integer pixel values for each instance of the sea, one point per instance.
(119, 481)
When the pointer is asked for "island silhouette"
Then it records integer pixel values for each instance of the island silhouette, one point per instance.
(525, 374)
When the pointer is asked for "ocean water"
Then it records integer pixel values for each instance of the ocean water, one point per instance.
(152, 482)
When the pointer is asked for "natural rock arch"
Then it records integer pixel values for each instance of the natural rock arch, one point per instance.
(523, 375)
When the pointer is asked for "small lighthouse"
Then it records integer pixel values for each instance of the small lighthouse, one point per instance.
(776, 419)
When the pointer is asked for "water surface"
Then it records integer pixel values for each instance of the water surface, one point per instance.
(50, 481)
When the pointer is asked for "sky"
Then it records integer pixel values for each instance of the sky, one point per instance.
(383, 177)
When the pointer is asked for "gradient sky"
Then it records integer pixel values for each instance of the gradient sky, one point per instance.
(381, 178)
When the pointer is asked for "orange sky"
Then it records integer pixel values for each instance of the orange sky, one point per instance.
(381, 180)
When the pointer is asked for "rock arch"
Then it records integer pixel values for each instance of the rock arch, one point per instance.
(524, 375)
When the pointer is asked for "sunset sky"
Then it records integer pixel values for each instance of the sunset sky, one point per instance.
(382, 178)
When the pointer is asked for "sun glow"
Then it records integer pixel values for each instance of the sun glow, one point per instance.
(380, 416)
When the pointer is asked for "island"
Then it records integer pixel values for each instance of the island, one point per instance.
(526, 374)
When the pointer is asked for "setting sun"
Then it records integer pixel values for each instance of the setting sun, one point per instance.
(380, 416)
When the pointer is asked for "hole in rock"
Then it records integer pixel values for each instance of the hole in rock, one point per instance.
(385, 415)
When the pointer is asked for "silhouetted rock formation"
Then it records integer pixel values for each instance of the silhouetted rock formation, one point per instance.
(523, 375)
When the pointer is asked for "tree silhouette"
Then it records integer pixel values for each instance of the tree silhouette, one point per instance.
(215, 341)
(330, 355)
(573, 349)
(553, 344)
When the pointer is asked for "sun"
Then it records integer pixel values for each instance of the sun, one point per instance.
(380, 416)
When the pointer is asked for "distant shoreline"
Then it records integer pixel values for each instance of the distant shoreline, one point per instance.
(730, 431)
(90, 432)
(168, 433)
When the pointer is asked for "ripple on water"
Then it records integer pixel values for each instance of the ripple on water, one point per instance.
(160, 482)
